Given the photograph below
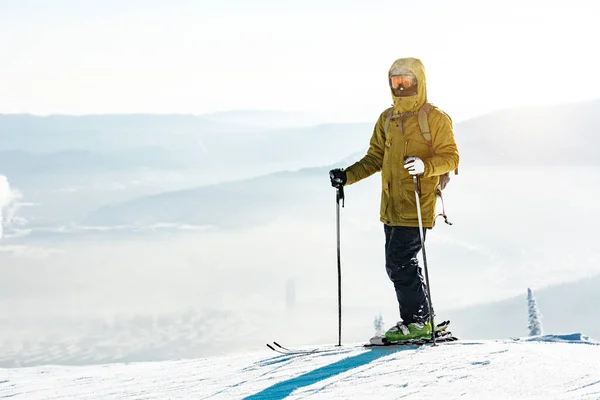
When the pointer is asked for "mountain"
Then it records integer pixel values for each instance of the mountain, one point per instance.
(260, 200)
(544, 135)
(563, 307)
(269, 119)
(192, 141)
(104, 132)
(19, 163)
(556, 367)
(564, 134)
(535, 137)
(232, 204)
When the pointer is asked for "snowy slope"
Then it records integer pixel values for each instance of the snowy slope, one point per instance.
(546, 367)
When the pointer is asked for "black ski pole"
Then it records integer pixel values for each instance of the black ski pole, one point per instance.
(339, 197)
(422, 235)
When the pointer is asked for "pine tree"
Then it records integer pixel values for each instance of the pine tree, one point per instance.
(535, 317)
(378, 323)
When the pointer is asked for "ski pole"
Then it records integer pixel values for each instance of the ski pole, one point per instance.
(339, 197)
(422, 235)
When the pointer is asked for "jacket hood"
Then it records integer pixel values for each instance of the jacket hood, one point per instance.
(410, 103)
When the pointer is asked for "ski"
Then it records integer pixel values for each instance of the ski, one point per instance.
(288, 352)
(285, 348)
(276, 347)
(277, 350)
(442, 335)
(445, 338)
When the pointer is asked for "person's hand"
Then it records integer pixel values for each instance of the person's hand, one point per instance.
(414, 166)
(338, 177)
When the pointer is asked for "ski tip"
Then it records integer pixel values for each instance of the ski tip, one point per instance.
(278, 345)
(271, 347)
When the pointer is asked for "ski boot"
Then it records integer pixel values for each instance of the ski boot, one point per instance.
(412, 331)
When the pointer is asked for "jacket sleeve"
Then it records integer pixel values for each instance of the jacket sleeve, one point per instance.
(372, 162)
(446, 156)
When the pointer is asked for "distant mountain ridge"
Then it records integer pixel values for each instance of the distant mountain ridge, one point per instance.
(556, 134)
(46, 150)
(104, 132)
(268, 118)
(565, 134)
(18, 162)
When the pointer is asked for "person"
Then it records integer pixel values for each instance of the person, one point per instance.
(400, 151)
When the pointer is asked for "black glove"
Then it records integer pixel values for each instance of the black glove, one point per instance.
(338, 177)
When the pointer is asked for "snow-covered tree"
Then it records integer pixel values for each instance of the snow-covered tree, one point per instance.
(378, 323)
(535, 317)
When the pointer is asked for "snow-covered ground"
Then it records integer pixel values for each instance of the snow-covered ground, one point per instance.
(543, 367)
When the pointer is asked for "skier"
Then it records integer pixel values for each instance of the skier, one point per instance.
(400, 150)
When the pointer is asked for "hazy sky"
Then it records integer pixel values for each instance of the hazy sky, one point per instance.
(177, 56)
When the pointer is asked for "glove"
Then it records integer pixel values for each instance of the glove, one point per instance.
(338, 177)
(414, 166)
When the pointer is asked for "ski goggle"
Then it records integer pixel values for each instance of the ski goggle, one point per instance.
(406, 81)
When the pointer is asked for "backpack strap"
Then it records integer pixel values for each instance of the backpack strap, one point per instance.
(443, 213)
(424, 125)
(388, 118)
(426, 132)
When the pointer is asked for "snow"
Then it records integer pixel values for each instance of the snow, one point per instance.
(541, 367)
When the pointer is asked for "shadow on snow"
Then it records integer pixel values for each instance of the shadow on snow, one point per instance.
(283, 389)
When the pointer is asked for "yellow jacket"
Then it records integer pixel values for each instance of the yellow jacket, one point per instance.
(404, 138)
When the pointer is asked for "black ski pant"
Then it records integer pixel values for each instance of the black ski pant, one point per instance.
(402, 244)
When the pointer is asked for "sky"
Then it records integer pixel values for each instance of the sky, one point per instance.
(329, 56)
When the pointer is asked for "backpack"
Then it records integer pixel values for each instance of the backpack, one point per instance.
(422, 114)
